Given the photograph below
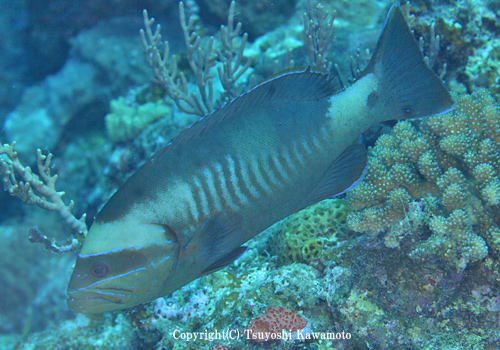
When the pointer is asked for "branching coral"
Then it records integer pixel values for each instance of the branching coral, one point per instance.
(40, 190)
(439, 176)
(318, 35)
(230, 67)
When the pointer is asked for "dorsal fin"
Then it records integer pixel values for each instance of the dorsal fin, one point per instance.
(298, 84)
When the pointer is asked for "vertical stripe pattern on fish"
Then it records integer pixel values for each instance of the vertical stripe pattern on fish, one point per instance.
(289, 142)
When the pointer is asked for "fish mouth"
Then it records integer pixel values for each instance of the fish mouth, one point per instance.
(97, 301)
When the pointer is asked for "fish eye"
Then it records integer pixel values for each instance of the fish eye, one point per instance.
(100, 270)
(407, 110)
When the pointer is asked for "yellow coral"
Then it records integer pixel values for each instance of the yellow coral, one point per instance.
(454, 159)
(456, 145)
(312, 249)
(303, 234)
(453, 197)
(492, 236)
(484, 173)
(428, 166)
(454, 239)
(491, 193)
(451, 176)
(370, 220)
(127, 120)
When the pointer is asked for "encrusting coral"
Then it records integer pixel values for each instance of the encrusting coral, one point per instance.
(273, 322)
(127, 118)
(437, 176)
(219, 346)
(303, 235)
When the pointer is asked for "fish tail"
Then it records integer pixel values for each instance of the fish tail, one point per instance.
(407, 87)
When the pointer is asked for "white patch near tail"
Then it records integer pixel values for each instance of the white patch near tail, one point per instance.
(352, 103)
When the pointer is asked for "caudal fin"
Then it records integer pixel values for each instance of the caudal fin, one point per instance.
(408, 88)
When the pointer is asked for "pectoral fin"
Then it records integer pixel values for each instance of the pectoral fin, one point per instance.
(215, 238)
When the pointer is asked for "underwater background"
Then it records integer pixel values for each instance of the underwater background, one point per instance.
(408, 259)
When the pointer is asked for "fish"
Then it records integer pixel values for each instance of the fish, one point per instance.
(287, 143)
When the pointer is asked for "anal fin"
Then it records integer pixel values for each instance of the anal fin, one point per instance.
(344, 173)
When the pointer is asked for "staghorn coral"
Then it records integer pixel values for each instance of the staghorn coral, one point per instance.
(438, 176)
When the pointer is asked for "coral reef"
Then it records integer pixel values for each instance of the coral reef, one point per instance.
(470, 36)
(274, 322)
(127, 119)
(219, 346)
(227, 300)
(438, 179)
(409, 260)
(304, 235)
(85, 333)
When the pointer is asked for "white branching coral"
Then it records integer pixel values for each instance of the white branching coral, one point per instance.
(40, 190)
(230, 67)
